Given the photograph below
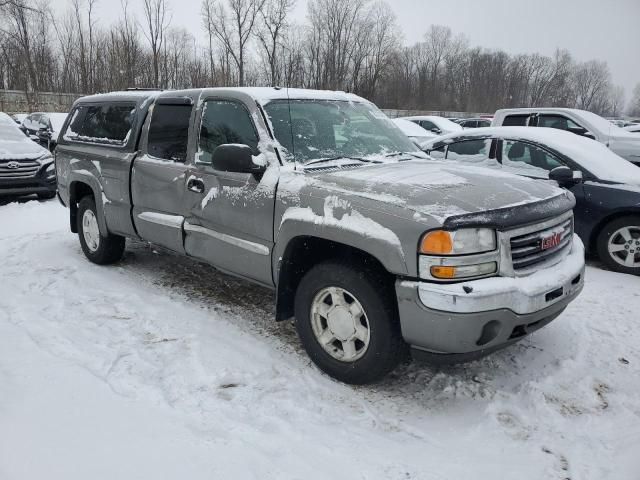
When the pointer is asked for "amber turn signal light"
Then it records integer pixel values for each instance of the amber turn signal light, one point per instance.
(436, 242)
(440, 271)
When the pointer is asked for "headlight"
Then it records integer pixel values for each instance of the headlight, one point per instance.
(50, 171)
(458, 242)
(45, 159)
(464, 254)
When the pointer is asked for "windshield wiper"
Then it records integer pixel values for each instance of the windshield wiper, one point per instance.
(395, 154)
(341, 157)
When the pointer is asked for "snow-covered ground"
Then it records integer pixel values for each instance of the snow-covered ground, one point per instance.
(161, 368)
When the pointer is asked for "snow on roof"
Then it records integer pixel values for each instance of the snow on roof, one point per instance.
(411, 129)
(592, 155)
(132, 94)
(266, 94)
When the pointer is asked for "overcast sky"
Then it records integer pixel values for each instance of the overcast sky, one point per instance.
(590, 29)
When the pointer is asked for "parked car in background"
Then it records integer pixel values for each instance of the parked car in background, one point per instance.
(415, 132)
(18, 117)
(369, 245)
(580, 122)
(25, 167)
(474, 122)
(437, 125)
(44, 127)
(606, 187)
(633, 128)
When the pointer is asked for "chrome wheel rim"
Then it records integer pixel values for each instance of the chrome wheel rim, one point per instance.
(340, 324)
(90, 230)
(624, 246)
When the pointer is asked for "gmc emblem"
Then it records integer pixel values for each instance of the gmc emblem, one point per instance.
(551, 241)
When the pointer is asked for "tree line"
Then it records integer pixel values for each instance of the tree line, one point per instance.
(350, 45)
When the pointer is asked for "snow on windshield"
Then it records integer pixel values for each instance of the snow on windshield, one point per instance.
(318, 129)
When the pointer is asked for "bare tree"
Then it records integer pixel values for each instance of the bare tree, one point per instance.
(208, 15)
(157, 19)
(274, 22)
(591, 85)
(234, 28)
(634, 105)
(616, 101)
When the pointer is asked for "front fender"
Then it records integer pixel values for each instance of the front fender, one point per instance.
(342, 224)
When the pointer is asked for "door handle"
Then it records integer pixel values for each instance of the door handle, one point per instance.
(195, 185)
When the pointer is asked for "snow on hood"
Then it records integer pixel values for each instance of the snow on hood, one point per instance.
(592, 155)
(15, 145)
(437, 189)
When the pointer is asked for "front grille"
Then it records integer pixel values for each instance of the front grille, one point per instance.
(20, 168)
(528, 249)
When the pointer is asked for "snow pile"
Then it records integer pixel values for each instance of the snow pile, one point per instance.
(159, 367)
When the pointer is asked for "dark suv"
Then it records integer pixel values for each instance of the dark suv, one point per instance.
(25, 167)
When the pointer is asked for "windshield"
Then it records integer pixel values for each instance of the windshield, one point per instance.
(327, 129)
(602, 124)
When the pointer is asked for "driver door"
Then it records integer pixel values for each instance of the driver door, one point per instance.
(229, 215)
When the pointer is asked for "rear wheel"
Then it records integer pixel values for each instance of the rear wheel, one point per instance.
(100, 247)
(619, 245)
(347, 322)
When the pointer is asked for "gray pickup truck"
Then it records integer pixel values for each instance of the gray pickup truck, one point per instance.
(320, 196)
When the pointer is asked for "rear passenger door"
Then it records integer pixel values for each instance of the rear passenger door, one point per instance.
(229, 215)
(158, 179)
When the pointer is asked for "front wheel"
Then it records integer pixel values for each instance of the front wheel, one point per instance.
(100, 247)
(347, 321)
(619, 245)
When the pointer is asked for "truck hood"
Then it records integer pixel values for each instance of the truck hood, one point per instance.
(436, 189)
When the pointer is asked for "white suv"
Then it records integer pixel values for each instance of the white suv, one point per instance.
(580, 122)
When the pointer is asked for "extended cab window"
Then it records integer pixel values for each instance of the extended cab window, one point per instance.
(225, 122)
(108, 123)
(561, 123)
(515, 121)
(169, 132)
(527, 159)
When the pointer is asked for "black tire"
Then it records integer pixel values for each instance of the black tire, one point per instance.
(605, 235)
(46, 196)
(110, 247)
(386, 348)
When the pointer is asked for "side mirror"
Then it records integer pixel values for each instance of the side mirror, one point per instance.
(589, 135)
(564, 176)
(232, 157)
(436, 130)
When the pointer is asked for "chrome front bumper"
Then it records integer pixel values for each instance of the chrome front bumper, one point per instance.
(470, 319)
(522, 295)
